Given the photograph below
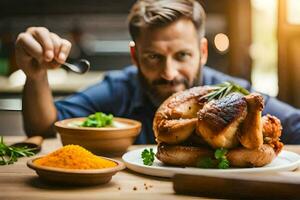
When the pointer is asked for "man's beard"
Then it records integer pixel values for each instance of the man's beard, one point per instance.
(153, 94)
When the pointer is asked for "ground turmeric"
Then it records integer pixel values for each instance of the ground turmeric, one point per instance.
(74, 157)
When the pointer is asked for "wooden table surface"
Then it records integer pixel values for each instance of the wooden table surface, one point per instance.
(17, 181)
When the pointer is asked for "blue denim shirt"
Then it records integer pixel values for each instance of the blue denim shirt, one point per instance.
(120, 94)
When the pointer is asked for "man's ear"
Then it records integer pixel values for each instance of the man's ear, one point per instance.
(132, 49)
(203, 51)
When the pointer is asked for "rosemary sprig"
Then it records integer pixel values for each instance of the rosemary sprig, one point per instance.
(10, 154)
(222, 90)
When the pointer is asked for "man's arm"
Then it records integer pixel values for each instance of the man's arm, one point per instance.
(39, 112)
(37, 50)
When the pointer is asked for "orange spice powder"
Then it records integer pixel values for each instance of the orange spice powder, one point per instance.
(74, 157)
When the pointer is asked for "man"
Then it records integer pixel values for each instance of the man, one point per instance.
(169, 54)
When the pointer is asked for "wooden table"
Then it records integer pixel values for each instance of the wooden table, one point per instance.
(17, 181)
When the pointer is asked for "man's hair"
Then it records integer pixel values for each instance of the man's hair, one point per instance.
(157, 13)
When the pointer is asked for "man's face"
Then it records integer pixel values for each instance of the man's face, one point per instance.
(169, 59)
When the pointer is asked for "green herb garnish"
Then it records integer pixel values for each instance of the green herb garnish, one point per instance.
(222, 90)
(207, 163)
(99, 119)
(148, 156)
(220, 155)
(10, 154)
(223, 164)
(219, 161)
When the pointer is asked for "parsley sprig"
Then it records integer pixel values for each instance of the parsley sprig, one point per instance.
(220, 155)
(219, 161)
(148, 156)
(99, 119)
(10, 154)
(222, 90)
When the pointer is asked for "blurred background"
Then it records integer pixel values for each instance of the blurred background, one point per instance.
(257, 40)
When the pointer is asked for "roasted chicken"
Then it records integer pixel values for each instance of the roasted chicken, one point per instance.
(187, 128)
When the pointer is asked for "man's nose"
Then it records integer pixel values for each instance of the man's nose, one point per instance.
(170, 70)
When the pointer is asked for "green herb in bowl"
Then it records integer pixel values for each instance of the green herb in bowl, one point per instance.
(98, 120)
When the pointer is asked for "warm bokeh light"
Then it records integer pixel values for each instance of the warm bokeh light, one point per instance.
(293, 11)
(263, 49)
(221, 42)
(264, 5)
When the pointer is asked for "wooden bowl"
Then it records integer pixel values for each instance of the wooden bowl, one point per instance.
(108, 141)
(75, 176)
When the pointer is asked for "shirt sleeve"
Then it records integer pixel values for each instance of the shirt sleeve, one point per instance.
(108, 96)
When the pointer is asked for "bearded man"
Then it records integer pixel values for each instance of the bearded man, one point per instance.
(169, 56)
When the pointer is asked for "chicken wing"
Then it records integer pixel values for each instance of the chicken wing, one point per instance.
(272, 131)
(219, 120)
(250, 134)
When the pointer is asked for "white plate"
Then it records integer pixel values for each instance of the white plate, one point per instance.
(285, 161)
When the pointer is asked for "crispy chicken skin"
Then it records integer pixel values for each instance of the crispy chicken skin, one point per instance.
(243, 157)
(272, 131)
(271, 126)
(219, 120)
(182, 155)
(179, 155)
(176, 118)
(251, 135)
(176, 130)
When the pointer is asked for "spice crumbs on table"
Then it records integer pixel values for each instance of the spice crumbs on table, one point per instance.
(134, 188)
(119, 188)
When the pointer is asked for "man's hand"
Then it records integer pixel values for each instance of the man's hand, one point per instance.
(37, 50)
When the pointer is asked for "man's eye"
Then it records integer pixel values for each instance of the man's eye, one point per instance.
(154, 56)
(183, 55)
